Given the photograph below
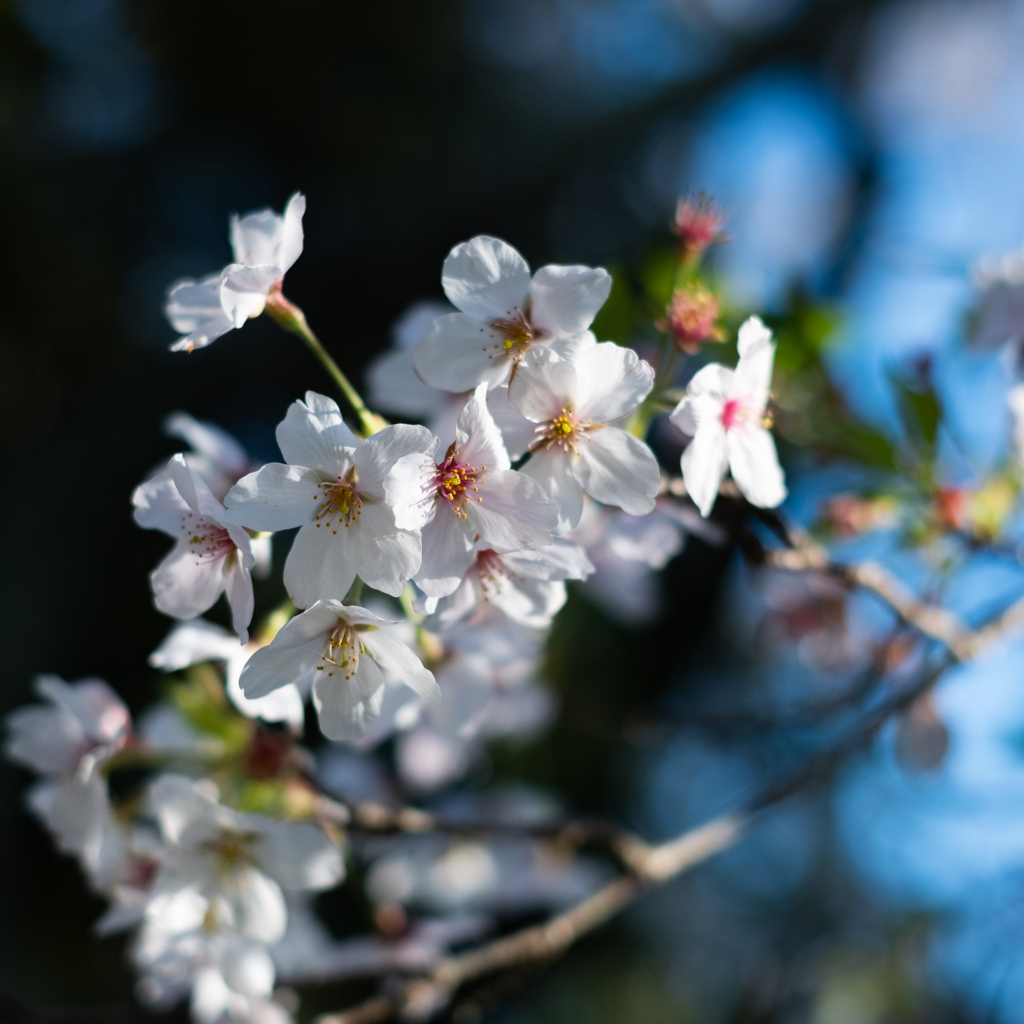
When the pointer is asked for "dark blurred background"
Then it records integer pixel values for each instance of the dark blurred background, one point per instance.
(866, 153)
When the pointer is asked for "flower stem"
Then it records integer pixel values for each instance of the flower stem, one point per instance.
(287, 315)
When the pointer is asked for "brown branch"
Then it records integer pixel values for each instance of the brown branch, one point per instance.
(649, 865)
(928, 619)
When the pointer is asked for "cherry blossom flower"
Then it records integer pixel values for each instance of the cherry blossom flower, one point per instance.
(332, 487)
(348, 657)
(504, 313)
(724, 410)
(197, 641)
(236, 864)
(265, 245)
(212, 555)
(84, 724)
(228, 978)
(471, 497)
(525, 585)
(575, 450)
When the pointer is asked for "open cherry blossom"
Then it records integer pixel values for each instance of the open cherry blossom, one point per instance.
(212, 555)
(575, 450)
(235, 863)
(265, 245)
(332, 487)
(83, 725)
(348, 657)
(471, 497)
(525, 585)
(724, 411)
(504, 313)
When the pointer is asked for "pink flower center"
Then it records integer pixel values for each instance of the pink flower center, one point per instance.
(734, 413)
(457, 483)
(563, 431)
(338, 503)
(206, 540)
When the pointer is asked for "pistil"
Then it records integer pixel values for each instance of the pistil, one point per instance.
(457, 482)
(341, 652)
(340, 504)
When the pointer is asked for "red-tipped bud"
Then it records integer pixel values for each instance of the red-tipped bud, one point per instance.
(692, 317)
(698, 223)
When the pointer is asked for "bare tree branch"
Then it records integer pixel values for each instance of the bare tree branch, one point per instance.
(649, 865)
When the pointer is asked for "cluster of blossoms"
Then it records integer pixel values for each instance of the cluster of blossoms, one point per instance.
(534, 471)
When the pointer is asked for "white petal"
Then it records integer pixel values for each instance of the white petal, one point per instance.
(410, 490)
(312, 433)
(291, 232)
(611, 382)
(385, 557)
(486, 278)
(528, 601)
(618, 469)
(517, 432)
(193, 489)
(754, 370)
(243, 291)
(322, 562)
(572, 347)
(560, 560)
(184, 585)
(416, 321)
(375, 457)
(159, 505)
(543, 385)
(346, 706)
(479, 439)
(514, 512)
(256, 237)
(715, 381)
(459, 353)
(208, 439)
(298, 855)
(565, 300)
(394, 387)
(552, 470)
(194, 309)
(281, 705)
(704, 463)
(447, 553)
(399, 664)
(755, 466)
(257, 905)
(191, 642)
(238, 589)
(44, 738)
(276, 497)
(293, 655)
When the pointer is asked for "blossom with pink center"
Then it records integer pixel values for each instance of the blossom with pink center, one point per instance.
(332, 488)
(724, 411)
(349, 658)
(504, 313)
(211, 556)
(471, 498)
(528, 586)
(265, 245)
(575, 447)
